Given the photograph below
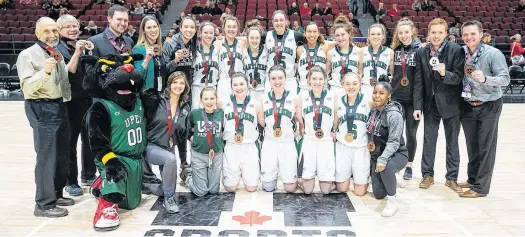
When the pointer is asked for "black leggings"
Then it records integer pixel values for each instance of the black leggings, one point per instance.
(411, 129)
(384, 183)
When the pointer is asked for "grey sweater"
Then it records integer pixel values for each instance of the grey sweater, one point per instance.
(388, 132)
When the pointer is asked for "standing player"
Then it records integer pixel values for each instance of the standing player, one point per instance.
(282, 44)
(279, 155)
(344, 57)
(352, 157)
(231, 59)
(311, 54)
(317, 110)
(378, 60)
(241, 156)
(255, 60)
(206, 64)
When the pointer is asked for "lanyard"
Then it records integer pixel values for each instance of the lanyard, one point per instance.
(351, 110)
(318, 110)
(231, 55)
(239, 118)
(372, 123)
(343, 68)
(375, 58)
(206, 63)
(119, 48)
(255, 62)
(475, 55)
(208, 127)
(308, 59)
(276, 115)
(46, 47)
(404, 61)
(172, 119)
(438, 52)
(278, 49)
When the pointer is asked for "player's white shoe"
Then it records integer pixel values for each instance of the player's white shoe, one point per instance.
(391, 207)
(400, 181)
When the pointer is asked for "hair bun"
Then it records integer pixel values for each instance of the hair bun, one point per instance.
(383, 78)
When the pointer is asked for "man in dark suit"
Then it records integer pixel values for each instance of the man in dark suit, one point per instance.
(438, 92)
(72, 49)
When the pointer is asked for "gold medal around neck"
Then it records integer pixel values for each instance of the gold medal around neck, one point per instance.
(469, 69)
(56, 55)
(156, 49)
(255, 83)
(404, 81)
(238, 138)
(373, 81)
(211, 154)
(231, 72)
(349, 137)
(371, 146)
(319, 133)
(277, 132)
(126, 50)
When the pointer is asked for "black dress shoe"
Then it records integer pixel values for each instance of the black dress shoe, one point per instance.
(65, 202)
(53, 212)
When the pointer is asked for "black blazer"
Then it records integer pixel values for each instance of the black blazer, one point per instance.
(103, 47)
(446, 89)
(75, 79)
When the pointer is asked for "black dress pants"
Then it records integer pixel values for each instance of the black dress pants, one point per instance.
(50, 123)
(411, 126)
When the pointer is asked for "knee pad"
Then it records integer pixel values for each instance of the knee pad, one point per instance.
(114, 197)
(269, 186)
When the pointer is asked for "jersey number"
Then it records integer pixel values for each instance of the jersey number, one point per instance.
(134, 136)
(210, 78)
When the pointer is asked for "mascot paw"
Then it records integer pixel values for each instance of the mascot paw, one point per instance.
(115, 170)
(114, 197)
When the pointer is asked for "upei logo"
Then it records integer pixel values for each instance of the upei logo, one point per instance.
(117, 113)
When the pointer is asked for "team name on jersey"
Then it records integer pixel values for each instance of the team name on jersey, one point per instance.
(224, 55)
(254, 66)
(133, 119)
(286, 50)
(318, 59)
(410, 58)
(245, 116)
(359, 117)
(381, 64)
(281, 111)
(201, 128)
(350, 63)
(200, 65)
(325, 109)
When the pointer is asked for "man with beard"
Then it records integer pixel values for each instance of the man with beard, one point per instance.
(437, 93)
(44, 82)
(113, 40)
(72, 48)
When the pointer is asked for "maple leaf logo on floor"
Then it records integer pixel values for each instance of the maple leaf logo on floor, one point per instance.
(252, 218)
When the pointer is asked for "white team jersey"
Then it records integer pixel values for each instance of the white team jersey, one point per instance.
(287, 115)
(249, 123)
(327, 113)
(320, 60)
(359, 124)
(224, 60)
(212, 67)
(259, 62)
(351, 64)
(382, 63)
(288, 55)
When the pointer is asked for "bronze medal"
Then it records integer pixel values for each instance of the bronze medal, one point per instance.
(156, 49)
(126, 50)
(404, 81)
(469, 69)
(211, 154)
(88, 45)
(319, 133)
(349, 137)
(373, 81)
(371, 146)
(255, 83)
(277, 132)
(231, 72)
(238, 138)
(56, 55)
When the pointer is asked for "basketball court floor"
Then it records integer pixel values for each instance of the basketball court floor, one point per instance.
(434, 212)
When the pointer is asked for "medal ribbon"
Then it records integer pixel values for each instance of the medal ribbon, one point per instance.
(172, 119)
(375, 58)
(46, 47)
(206, 63)
(231, 55)
(372, 123)
(237, 116)
(318, 110)
(209, 127)
(436, 54)
(255, 61)
(404, 61)
(351, 110)
(117, 47)
(474, 55)
(343, 68)
(310, 65)
(276, 115)
(278, 49)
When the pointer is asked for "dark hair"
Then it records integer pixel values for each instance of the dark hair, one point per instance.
(116, 8)
(277, 67)
(174, 76)
(386, 85)
(320, 38)
(239, 74)
(472, 23)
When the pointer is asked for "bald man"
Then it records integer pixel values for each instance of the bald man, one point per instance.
(44, 82)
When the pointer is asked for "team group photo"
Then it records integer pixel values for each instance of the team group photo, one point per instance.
(263, 127)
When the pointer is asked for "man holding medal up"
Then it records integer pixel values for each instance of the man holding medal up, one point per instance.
(486, 72)
(438, 95)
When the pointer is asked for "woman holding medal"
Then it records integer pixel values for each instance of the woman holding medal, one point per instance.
(311, 54)
(255, 60)
(281, 45)
(180, 51)
(278, 154)
(378, 60)
(386, 145)
(149, 44)
(207, 125)
(167, 126)
(352, 158)
(316, 110)
(231, 59)
(345, 57)
(206, 64)
(242, 113)
(405, 44)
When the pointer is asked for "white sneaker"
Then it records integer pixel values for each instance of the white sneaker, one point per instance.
(400, 181)
(391, 207)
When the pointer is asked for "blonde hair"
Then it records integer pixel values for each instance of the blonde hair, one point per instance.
(350, 75)
(380, 26)
(314, 69)
(403, 22)
(175, 76)
(142, 33)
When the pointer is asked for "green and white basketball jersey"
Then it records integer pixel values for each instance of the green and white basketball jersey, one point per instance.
(351, 64)
(288, 52)
(259, 63)
(359, 125)
(224, 60)
(382, 63)
(319, 60)
(327, 113)
(287, 115)
(212, 64)
(249, 123)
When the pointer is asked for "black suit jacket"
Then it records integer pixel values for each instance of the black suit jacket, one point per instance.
(75, 79)
(103, 47)
(446, 89)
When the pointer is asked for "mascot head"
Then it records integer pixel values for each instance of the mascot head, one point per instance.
(113, 77)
